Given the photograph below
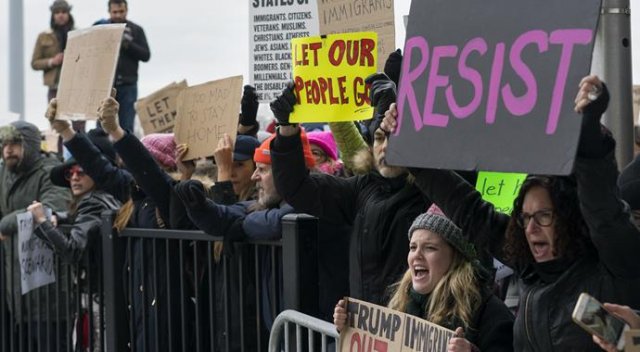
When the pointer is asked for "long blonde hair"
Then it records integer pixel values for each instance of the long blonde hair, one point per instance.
(456, 296)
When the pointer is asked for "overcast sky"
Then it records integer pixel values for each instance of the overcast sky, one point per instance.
(200, 40)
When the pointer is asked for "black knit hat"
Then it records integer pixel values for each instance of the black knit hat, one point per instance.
(57, 173)
(434, 220)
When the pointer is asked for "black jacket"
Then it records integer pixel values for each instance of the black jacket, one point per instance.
(492, 326)
(85, 230)
(380, 210)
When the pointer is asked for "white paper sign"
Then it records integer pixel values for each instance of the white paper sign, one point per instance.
(36, 258)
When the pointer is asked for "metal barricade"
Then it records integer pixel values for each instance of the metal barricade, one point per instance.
(328, 335)
(61, 316)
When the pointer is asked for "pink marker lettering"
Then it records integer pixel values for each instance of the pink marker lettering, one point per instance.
(471, 75)
(435, 80)
(405, 91)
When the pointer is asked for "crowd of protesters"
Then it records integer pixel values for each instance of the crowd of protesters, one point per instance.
(418, 240)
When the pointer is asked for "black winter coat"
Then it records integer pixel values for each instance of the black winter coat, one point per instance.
(380, 210)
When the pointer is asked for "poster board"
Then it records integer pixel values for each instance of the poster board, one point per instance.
(36, 257)
(157, 111)
(329, 73)
(344, 16)
(272, 25)
(205, 113)
(499, 99)
(88, 70)
(385, 329)
(632, 340)
(636, 105)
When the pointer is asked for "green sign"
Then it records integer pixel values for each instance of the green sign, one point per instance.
(500, 188)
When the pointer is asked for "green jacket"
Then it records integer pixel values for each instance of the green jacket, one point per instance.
(17, 190)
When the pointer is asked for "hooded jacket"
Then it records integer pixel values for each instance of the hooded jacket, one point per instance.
(18, 189)
(380, 210)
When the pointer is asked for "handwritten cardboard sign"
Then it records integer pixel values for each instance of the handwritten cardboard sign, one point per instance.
(272, 25)
(329, 73)
(498, 99)
(88, 69)
(205, 113)
(372, 327)
(344, 16)
(36, 257)
(157, 111)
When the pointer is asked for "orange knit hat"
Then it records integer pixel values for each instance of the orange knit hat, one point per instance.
(263, 152)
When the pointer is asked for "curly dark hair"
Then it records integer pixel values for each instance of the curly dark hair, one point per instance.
(572, 236)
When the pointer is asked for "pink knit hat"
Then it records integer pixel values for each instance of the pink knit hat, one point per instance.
(162, 147)
(325, 141)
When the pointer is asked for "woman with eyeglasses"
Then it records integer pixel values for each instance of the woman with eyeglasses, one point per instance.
(87, 205)
(565, 236)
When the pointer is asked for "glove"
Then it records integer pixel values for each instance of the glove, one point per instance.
(192, 194)
(249, 106)
(382, 93)
(282, 106)
(56, 125)
(393, 65)
(108, 114)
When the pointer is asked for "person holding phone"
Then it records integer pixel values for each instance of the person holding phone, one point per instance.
(447, 285)
(566, 234)
(626, 314)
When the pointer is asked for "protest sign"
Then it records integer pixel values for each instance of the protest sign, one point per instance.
(345, 16)
(499, 188)
(632, 340)
(88, 69)
(205, 113)
(329, 73)
(375, 328)
(36, 258)
(272, 25)
(500, 99)
(157, 111)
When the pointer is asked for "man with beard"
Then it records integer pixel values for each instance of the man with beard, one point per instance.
(380, 205)
(49, 50)
(134, 48)
(24, 177)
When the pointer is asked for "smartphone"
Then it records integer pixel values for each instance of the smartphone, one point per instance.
(591, 316)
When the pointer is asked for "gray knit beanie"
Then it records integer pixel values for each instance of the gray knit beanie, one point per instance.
(434, 220)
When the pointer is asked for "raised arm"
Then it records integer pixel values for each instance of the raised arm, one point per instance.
(612, 228)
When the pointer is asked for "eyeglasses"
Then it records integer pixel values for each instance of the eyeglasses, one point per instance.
(542, 218)
(74, 170)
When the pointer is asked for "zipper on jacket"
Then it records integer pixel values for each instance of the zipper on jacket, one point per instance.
(526, 316)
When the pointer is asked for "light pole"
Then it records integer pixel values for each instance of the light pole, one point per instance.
(16, 58)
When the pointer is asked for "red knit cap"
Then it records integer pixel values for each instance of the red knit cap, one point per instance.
(263, 152)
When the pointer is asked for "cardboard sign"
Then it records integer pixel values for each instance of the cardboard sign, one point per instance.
(344, 16)
(88, 70)
(500, 188)
(498, 99)
(329, 73)
(272, 25)
(157, 111)
(205, 113)
(632, 340)
(35, 256)
(372, 327)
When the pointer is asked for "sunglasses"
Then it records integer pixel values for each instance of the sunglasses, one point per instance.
(74, 170)
(542, 218)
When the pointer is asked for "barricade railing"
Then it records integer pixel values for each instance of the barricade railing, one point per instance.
(165, 290)
(59, 316)
(306, 328)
